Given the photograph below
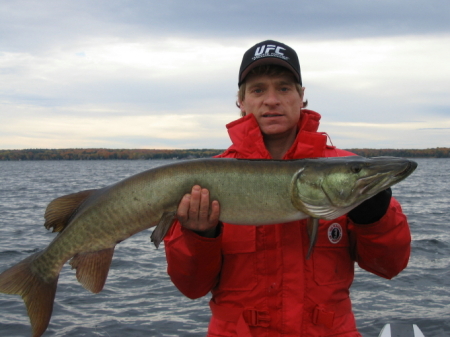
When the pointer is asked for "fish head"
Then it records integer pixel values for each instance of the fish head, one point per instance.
(331, 187)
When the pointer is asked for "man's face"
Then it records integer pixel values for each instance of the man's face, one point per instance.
(275, 103)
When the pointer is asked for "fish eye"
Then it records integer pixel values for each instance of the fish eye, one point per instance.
(356, 169)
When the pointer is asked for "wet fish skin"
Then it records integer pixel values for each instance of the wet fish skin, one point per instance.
(250, 192)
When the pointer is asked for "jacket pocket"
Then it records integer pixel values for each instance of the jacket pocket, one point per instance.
(331, 257)
(239, 258)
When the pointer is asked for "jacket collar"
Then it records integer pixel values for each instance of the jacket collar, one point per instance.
(247, 139)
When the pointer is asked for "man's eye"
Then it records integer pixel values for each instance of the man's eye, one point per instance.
(257, 91)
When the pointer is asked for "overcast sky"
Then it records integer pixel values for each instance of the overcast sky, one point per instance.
(163, 74)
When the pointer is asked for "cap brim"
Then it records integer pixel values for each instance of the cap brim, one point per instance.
(267, 61)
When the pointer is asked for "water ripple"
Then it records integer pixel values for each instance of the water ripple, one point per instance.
(139, 299)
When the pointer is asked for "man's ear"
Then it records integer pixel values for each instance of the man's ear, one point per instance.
(242, 108)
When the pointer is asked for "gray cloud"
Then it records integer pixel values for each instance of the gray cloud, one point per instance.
(27, 25)
(80, 67)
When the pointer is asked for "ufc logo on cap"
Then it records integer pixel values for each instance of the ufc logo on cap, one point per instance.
(266, 49)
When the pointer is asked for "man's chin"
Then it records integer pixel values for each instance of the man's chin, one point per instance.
(274, 130)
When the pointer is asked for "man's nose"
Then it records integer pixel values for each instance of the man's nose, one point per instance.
(272, 98)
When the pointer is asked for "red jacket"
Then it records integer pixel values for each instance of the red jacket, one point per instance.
(260, 281)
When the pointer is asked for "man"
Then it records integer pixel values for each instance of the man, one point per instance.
(260, 281)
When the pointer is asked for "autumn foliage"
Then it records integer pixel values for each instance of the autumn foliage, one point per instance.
(438, 152)
(102, 154)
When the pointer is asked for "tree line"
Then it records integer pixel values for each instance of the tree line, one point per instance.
(104, 154)
(438, 152)
(107, 154)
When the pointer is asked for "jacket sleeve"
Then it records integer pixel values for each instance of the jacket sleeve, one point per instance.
(383, 247)
(193, 262)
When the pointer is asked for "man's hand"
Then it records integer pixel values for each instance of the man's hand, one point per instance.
(197, 214)
(372, 209)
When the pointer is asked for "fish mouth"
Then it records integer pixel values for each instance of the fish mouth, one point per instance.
(410, 167)
(379, 182)
(368, 183)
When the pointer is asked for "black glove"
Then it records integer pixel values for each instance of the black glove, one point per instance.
(372, 209)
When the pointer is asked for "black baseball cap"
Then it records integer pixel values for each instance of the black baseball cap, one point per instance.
(270, 52)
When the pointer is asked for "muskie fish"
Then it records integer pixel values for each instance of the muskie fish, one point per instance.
(250, 192)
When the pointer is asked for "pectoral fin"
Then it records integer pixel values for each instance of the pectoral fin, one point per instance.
(162, 228)
(313, 230)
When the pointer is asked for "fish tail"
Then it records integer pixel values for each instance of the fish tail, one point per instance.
(38, 294)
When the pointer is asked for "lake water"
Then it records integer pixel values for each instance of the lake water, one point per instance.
(139, 299)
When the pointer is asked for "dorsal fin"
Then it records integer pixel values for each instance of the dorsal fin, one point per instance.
(60, 210)
(92, 268)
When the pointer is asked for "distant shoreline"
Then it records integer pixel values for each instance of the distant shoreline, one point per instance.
(143, 154)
